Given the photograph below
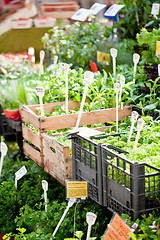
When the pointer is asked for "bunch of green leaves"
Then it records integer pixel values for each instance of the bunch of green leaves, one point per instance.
(146, 228)
(147, 40)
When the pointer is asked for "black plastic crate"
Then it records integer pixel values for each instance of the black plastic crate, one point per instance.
(132, 188)
(87, 165)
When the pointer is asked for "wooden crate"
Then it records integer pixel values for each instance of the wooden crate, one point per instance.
(44, 150)
(59, 9)
(57, 159)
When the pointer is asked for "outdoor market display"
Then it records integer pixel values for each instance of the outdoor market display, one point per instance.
(90, 140)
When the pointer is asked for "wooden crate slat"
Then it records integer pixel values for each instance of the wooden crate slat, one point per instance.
(32, 153)
(29, 135)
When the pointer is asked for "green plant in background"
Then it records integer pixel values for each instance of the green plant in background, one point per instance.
(148, 40)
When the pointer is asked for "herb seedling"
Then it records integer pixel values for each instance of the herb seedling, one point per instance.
(3, 149)
(134, 117)
(90, 219)
(136, 58)
(45, 188)
(140, 124)
(116, 89)
(113, 52)
(88, 78)
(40, 94)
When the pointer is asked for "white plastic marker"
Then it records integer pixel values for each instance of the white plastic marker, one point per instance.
(66, 71)
(116, 89)
(88, 78)
(155, 9)
(90, 219)
(19, 174)
(113, 52)
(70, 204)
(140, 124)
(55, 60)
(59, 70)
(42, 54)
(40, 94)
(122, 83)
(134, 117)
(3, 149)
(45, 188)
(158, 70)
(136, 58)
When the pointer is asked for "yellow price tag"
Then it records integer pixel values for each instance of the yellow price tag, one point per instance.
(103, 57)
(158, 48)
(77, 189)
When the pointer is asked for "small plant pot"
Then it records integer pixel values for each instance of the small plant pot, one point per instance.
(12, 114)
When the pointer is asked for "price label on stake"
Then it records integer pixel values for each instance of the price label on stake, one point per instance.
(122, 83)
(3, 149)
(140, 124)
(19, 174)
(88, 78)
(116, 89)
(40, 94)
(158, 49)
(42, 54)
(60, 69)
(45, 188)
(90, 219)
(70, 204)
(113, 52)
(136, 58)
(134, 117)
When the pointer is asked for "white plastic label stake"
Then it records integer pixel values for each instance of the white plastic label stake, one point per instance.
(122, 83)
(158, 70)
(134, 117)
(116, 89)
(31, 51)
(136, 58)
(19, 174)
(155, 9)
(70, 204)
(88, 78)
(90, 219)
(55, 60)
(45, 188)
(140, 124)
(60, 69)
(113, 52)
(66, 71)
(113, 10)
(3, 149)
(40, 94)
(42, 54)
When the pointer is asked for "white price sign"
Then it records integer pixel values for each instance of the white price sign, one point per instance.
(96, 7)
(82, 14)
(155, 9)
(113, 10)
(20, 173)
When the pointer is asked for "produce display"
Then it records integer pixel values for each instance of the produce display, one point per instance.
(101, 127)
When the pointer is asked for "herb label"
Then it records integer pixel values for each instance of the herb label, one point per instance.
(66, 71)
(158, 48)
(20, 173)
(96, 7)
(55, 60)
(116, 89)
(88, 78)
(122, 83)
(113, 52)
(45, 185)
(42, 54)
(31, 51)
(113, 10)
(81, 15)
(3, 149)
(136, 58)
(140, 124)
(103, 57)
(77, 189)
(60, 69)
(90, 219)
(155, 9)
(158, 70)
(40, 91)
(134, 117)
(118, 230)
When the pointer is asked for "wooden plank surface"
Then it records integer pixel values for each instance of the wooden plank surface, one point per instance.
(29, 135)
(32, 153)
